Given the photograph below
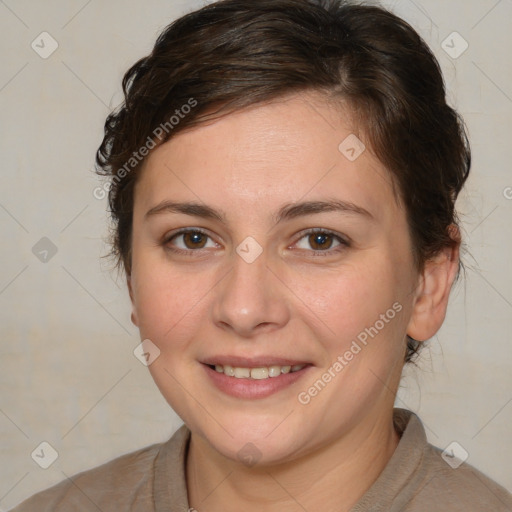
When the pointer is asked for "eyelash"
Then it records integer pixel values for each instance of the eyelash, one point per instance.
(343, 244)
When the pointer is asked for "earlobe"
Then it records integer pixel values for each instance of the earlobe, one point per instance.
(433, 292)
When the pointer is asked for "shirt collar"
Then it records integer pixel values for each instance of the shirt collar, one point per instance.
(170, 487)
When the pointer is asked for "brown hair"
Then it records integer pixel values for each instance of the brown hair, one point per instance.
(233, 53)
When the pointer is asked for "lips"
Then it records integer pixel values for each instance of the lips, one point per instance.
(258, 373)
(253, 378)
(254, 368)
(253, 362)
(253, 388)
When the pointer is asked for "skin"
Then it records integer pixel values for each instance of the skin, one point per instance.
(291, 302)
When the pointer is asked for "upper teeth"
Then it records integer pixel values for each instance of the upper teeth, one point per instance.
(263, 372)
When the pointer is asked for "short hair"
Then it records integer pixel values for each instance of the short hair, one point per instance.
(233, 54)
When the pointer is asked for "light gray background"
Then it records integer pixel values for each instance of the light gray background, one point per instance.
(68, 375)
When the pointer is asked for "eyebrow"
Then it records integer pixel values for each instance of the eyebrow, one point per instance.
(287, 212)
(294, 210)
(189, 208)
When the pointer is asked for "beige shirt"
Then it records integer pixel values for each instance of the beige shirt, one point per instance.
(416, 479)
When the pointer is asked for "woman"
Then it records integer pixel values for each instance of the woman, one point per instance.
(283, 175)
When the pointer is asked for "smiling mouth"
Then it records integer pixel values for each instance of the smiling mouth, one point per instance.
(259, 373)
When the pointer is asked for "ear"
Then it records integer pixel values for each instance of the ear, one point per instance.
(433, 291)
(135, 320)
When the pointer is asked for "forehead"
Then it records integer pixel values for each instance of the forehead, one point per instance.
(298, 147)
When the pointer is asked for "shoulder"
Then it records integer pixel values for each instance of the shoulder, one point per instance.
(448, 484)
(116, 485)
(418, 477)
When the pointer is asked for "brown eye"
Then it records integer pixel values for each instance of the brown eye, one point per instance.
(189, 240)
(194, 240)
(320, 241)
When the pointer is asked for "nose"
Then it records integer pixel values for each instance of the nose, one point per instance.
(251, 299)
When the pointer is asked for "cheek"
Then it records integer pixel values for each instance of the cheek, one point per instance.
(167, 302)
(363, 311)
(351, 297)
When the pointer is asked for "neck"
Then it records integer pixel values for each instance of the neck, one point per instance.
(335, 475)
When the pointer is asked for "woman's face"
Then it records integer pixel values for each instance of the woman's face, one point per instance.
(250, 286)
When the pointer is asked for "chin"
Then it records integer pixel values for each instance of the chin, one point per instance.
(257, 441)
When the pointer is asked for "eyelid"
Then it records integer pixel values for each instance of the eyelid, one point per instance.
(182, 231)
(168, 237)
(344, 242)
